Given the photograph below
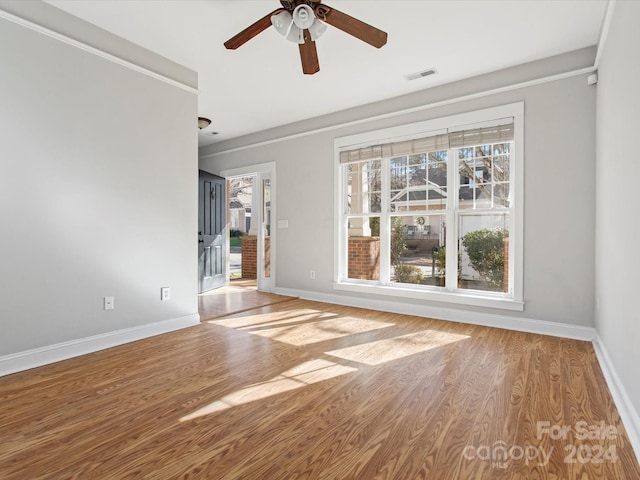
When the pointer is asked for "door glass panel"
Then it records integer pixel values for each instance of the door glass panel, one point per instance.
(266, 227)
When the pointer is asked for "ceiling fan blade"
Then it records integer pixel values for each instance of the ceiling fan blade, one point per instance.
(352, 26)
(251, 31)
(309, 55)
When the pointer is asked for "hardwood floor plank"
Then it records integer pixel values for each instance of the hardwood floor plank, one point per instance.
(238, 296)
(306, 390)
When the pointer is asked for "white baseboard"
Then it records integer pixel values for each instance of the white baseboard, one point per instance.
(37, 357)
(508, 322)
(627, 412)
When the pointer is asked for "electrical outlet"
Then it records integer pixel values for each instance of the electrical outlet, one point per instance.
(313, 275)
(108, 303)
(165, 293)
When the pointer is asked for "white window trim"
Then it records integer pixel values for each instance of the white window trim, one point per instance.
(516, 244)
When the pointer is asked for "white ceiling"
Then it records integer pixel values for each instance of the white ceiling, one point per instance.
(261, 85)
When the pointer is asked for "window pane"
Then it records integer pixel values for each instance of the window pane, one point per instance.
(484, 176)
(364, 187)
(415, 247)
(501, 170)
(418, 182)
(467, 196)
(483, 257)
(465, 153)
(417, 174)
(501, 195)
(398, 180)
(363, 256)
(501, 148)
(483, 150)
(437, 181)
(438, 172)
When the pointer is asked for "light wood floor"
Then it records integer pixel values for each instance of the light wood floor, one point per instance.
(305, 390)
(238, 296)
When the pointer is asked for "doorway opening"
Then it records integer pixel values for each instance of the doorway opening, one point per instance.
(249, 212)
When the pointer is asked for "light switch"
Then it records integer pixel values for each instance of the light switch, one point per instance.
(108, 303)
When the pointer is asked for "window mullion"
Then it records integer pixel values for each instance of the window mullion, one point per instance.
(344, 228)
(385, 223)
(451, 277)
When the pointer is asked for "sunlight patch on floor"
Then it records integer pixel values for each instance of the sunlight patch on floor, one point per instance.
(381, 351)
(227, 290)
(320, 331)
(251, 320)
(304, 374)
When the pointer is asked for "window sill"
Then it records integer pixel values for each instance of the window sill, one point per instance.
(460, 298)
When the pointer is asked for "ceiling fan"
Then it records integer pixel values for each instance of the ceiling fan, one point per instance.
(302, 22)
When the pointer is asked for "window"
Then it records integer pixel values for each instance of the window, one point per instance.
(433, 210)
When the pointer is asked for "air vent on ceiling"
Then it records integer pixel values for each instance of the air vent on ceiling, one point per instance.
(424, 73)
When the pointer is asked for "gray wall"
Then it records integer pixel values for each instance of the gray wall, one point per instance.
(97, 191)
(617, 227)
(559, 181)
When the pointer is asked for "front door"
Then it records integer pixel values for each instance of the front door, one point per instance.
(212, 235)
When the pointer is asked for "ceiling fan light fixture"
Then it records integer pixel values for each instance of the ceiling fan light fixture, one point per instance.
(316, 29)
(282, 22)
(303, 16)
(296, 34)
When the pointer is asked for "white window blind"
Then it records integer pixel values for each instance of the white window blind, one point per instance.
(481, 136)
(433, 143)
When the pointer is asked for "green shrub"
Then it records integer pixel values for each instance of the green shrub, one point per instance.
(398, 240)
(374, 225)
(485, 249)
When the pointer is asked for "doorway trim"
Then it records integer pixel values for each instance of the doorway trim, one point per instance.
(261, 171)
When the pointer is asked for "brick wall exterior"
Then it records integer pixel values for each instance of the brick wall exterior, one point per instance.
(249, 250)
(267, 257)
(364, 258)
